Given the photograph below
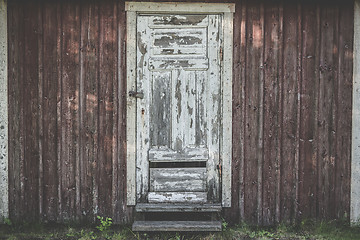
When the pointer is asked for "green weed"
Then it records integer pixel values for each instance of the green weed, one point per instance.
(105, 223)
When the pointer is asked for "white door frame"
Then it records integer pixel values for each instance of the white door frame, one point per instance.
(355, 145)
(4, 187)
(227, 10)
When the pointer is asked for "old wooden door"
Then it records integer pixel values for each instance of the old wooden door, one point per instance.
(178, 108)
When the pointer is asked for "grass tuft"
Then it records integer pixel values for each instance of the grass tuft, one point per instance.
(307, 229)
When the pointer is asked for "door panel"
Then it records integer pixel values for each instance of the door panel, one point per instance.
(178, 120)
(177, 197)
(178, 179)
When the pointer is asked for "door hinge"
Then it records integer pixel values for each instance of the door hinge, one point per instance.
(136, 94)
(221, 54)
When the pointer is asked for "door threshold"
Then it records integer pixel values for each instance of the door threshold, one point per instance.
(178, 207)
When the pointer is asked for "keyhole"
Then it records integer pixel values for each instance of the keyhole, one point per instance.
(142, 111)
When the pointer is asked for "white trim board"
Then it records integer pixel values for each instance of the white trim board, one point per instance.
(178, 7)
(355, 146)
(227, 9)
(4, 189)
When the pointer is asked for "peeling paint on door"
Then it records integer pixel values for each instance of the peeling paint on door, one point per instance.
(178, 58)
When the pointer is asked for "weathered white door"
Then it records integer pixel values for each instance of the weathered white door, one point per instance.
(178, 90)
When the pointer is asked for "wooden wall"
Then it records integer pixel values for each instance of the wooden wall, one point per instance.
(67, 111)
(292, 91)
(292, 111)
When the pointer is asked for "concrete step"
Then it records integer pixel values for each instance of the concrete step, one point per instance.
(177, 226)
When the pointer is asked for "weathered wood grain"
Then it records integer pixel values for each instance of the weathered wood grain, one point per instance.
(290, 103)
(307, 145)
(16, 114)
(226, 108)
(107, 106)
(31, 112)
(143, 84)
(177, 179)
(214, 107)
(164, 154)
(59, 107)
(177, 226)
(40, 69)
(90, 109)
(121, 211)
(254, 67)
(233, 212)
(70, 43)
(160, 110)
(327, 90)
(131, 109)
(193, 8)
(185, 91)
(156, 64)
(344, 101)
(177, 197)
(242, 61)
(49, 119)
(271, 112)
(176, 207)
(58, 50)
(175, 20)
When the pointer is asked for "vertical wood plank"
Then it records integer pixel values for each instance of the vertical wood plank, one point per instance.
(123, 212)
(298, 119)
(271, 112)
(289, 114)
(307, 145)
(344, 78)
(281, 110)
(327, 127)
(89, 111)
(50, 90)
(115, 115)
(243, 107)
(69, 107)
(261, 117)
(59, 40)
(31, 112)
(252, 119)
(108, 76)
(40, 136)
(16, 116)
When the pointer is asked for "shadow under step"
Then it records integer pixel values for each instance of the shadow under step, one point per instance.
(174, 226)
(168, 207)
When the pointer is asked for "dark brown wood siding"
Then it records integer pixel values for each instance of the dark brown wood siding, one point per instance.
(67, 111)
(292, 99)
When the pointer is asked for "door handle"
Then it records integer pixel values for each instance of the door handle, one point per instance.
(136, 94)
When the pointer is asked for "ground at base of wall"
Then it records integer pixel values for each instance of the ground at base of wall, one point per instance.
(304, 230)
